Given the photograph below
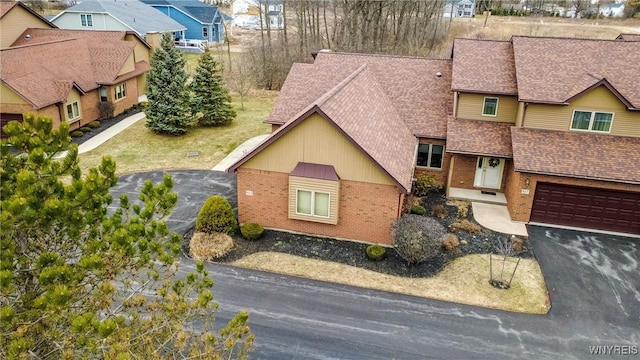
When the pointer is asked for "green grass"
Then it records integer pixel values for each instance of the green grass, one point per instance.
(138, 149)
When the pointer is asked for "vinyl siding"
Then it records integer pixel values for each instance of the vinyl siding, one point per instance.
(470, 107)
(558, 117)
(15, 22)
(129, 65)
(71, 20)
(73, 97)
(141, 52)
(7, 96)
(315, 140)
(325, 186)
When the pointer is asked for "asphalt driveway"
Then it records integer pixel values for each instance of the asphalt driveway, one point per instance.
(592, 278)
(192, 186)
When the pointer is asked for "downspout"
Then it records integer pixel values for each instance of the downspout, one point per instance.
(524, 113)
(451, 163)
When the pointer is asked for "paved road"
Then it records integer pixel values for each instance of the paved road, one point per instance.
(297, 318)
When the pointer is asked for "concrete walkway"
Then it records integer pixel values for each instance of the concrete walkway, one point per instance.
(496, 217)
(239, 152)
(101, 138)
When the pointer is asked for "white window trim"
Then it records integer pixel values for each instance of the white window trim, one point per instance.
(124, 91)
(484, 102)
(313, 202)
(88, 19)
(205, 32)
(593, 117)
(429, 157)
(75, 118)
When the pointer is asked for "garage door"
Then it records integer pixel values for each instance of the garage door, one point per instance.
(586, 208)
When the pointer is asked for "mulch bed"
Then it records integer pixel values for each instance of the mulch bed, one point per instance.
(353, 253)
(107, 123)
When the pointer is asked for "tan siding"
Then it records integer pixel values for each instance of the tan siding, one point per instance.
(470, 107)
(7, 96)
(558, 117)
(129, 65)
(326, 186)
(15, 22)
(71, 98)
(315, 140)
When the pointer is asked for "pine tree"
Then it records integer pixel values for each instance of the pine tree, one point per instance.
(78, 282)
(211, 102)
(167, 111)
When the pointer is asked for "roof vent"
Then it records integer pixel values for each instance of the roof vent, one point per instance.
(27, 37)
(438, 74)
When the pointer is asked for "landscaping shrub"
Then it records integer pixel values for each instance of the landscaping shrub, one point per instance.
(76, 134)
(216, 215)
(376, 252)
(465, 225)
(423, 184)
(251, 231)
(450, 242)
(94, 124)
(418, 210)
(439, 211)
(409, 201)
(85, 129)
(517, 244)
(106, 109)
(416, 237)
(205, 246)
(463, 207)
(144, 104)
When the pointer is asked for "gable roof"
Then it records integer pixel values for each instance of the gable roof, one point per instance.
(44, 72)
(200, 11)
(359, 109)
(584, 155)
(628, 37)
(134, 14)
(6, 6)
(404, 80)
(483, 66)
(571, 67)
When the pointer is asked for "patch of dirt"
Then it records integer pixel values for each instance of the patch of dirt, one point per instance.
(354, 254)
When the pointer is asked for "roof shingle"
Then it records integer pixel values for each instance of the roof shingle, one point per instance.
(44, 71)
(479, 137)
(405, 80)
(577, 154)
(483, 66)
(571, 66)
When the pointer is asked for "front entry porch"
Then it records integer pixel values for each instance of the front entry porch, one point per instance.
(488, 197)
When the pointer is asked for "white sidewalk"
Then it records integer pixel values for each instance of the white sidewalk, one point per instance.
(239, 152)
(101, 138)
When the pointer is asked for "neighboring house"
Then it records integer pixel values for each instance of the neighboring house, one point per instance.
(459, 8)
(14, 18)
(246, 14)
(202, 21)
(555, 139)
(612, 10)
(122, 15)
(40, 74)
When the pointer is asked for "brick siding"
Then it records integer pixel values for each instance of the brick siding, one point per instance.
(366, 210)
(464, 171)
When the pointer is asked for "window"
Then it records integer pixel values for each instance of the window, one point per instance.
(591, 121)
(86, 19)
(312, 203)
(121, 91)
(73, 111)
(430, 156)
(490, 107)
(205, 33)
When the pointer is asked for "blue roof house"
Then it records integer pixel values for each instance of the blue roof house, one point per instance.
(203, 21)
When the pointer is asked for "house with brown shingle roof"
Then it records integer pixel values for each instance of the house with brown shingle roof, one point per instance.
(550, 127)
(15, 17)
(41, 75)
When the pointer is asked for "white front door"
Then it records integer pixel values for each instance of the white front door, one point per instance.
(489, 172)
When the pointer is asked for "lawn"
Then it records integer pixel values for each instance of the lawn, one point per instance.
(138, 149)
